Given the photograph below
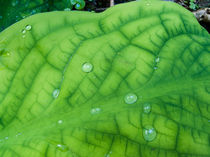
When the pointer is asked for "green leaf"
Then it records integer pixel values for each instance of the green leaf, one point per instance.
(133, 81)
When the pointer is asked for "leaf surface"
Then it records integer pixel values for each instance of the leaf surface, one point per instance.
(155, 51)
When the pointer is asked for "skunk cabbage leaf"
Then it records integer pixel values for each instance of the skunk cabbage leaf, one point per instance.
(133, 81)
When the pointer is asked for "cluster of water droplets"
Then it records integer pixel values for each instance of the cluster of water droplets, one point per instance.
(24, 31)
(149, 132)
(157, 60)
(95, 110)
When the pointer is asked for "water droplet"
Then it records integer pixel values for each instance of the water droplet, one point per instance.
(67, 9)
(87, 67)
(33, 11)
(62, 147)
(108, 154)
(149, 133)
(56, 93)
(23, 36)
(155, 67)
(23, 31)
(18, 134)
(60, 121)
(1, 17)
(6, 138)
(28, 27)
(130, 98)
(157, 59)
(147, 108)
(95, 110)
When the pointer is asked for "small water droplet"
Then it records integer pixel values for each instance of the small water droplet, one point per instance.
(108, 154)
(1, 17)
(130, 98)
(87, 67)
(149, 133)
(60, 121)
(147, 108)
(157, 59)
(6, 138)
(18, 134)
(33, 11)
(23, 36)
(56, 93)
(155, 67)
(95, 110)
(28, 27)
(23, 31)
(67, 9)
(62, 147)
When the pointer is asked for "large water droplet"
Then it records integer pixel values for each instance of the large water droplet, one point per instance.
(28, 27)
(130, 98)
(62, 147)
(149, 133)
(95, 110)
(87, 67)
(146, 108)
(56, 93)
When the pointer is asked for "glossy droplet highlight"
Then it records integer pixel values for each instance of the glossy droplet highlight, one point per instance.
(87, 67)
(6, 138)
(95, 110)
(130, 98)
(62, 147)
(149, 133)
(28, 27)
(147, 108)
(56, 93)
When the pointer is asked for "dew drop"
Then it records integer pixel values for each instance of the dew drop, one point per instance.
(62, 147)
(56, 93)
(18, 134)
(23, 31)
(108, 154)
(87, 67)
(155, 67)
(67, 9)
(28, 27)
(149, 133)
(130, 98)
(147, 108)
(1, 17)
(95, 110)
(23, 36)
(157, 59)
(60, 121)
(6, 138)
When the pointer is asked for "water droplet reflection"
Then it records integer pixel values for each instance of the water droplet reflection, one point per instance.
(130, 98)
